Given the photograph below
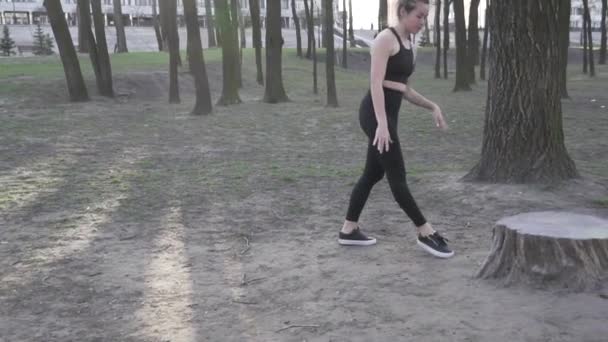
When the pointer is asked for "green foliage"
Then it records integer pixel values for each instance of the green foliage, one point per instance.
(7, 44)
(43, 43)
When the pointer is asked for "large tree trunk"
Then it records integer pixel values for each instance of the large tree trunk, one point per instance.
(484, 48)
(315, 88)
(168, 15)
(196, 60)
(256, 32)
(296, 21)
(438, 38)
(121, 38)
(77, 89)
(230, 62)
(274, 92)
(564, 39)
(446, 36)
(344, 51)
(309, 30)
(382, 15)
(210, 24)
(159, 37)
(99, 48)
(603, 42)
(554, 249)
(523, 139)
(589, 38)
(351, 32)
(332, 97)
(462, 62)
(234, 9)
(84, 24)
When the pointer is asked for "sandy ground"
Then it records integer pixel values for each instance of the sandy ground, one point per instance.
(131, 220)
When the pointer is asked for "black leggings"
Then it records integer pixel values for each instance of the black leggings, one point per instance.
(378, 164)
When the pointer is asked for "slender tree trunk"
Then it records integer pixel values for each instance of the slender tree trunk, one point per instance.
(332, 98)
(254, 8)
(168, 13)
(159, 37)
(196, 60)
(462, 63)
(315, 88)
(121, 38)
(210, 24)
(446, 36)
(585, 45)
(523, 139)
(230, 62)
(564, 39)
(84, 24)
(274, 92)
(484, 49)
(438, 38)
(101, 47)
(243, 33)
(589, 38)
(604, 39)
(234, 9)
(473, 39)
(351, 32)
(77, 89)
(382, 15)
(309, 30)
(218, 34)
(297, 23)
(344, 51)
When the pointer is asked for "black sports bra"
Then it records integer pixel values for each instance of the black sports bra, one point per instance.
(400, 66)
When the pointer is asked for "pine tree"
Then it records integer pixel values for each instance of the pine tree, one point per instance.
(7, 44)
(49, 45)
(39, 41)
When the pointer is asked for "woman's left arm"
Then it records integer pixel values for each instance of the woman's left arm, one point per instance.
(414, 97)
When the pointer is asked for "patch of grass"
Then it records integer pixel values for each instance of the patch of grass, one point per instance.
(602, 202)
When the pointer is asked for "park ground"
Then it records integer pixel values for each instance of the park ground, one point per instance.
(129, 219)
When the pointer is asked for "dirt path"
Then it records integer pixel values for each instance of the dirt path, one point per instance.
(129, 220)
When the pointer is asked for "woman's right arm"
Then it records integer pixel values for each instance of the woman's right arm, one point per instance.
(380, 53)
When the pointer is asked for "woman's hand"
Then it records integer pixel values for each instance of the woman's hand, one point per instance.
(382, 138)
(439, 119)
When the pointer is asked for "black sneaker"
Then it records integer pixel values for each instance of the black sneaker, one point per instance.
(355, 238)
(436, 245)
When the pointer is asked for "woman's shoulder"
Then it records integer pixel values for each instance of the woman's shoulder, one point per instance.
(385, 38)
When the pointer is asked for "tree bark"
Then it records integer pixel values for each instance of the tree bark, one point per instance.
(121, 38)
(484, 49)
(243, 33)
(254, 8)
(77, 89)
(168, 14)
(159, 37)
(564, 32)
(382, 15)
(549, 249)
(446, 36)
(196, 60)
(210, 24)
(473, 39)
(523, 139)
(309, 30)
(230, 62)
(332, 98)
(585, 47)
(234, 9)
(99, 48)
(274, 91)
(344, 51)
(351, 32)
(438, 38)
(462, 62)
(604, 39)
(298, 33)
(84, 24)
(589, 39)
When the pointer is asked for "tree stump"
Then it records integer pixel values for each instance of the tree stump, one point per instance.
(549, 249)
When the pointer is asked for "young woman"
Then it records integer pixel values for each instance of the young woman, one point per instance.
(392, 63)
